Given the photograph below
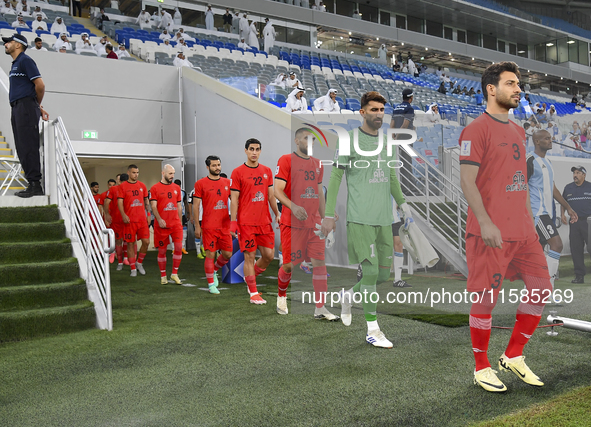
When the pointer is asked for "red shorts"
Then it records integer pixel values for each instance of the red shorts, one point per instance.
(215, 238)
(117, 228)
(488, 266)
(300, 244)
(252, 236)
(162, 235)
(135, 231)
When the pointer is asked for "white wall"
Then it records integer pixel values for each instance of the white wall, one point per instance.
(124, 101)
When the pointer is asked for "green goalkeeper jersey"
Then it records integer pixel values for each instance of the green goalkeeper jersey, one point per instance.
(370, 182)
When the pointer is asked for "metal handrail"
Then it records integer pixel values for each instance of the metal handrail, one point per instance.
(91, 239)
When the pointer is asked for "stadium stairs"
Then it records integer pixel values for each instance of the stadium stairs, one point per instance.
(41, 292)
(6, 151)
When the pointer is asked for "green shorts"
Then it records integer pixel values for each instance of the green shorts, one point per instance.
(369, 242)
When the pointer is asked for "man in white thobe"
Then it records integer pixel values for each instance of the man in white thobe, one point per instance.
(293, 81)
(244, 27)
(253, 39)
(184, 35)
(122, 52)
(165, 35)
(62, 41)
(181, 61)
(7, 9)
(19, 23)
(100, 47)
(269, 34)
(84, 44)
(144, 20)
(296, 103)
(328, 102)
(236, 23)
(59, 27)
(177, 18)
(166, 21)
(383, 53)
(243, 45)
(209, 19)
(39, 24)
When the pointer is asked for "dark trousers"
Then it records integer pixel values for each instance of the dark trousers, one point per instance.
(578, 235)
(78, 5)
(25, 127)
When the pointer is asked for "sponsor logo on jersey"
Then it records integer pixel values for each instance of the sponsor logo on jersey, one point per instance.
(136, 203)
(226, 188)
(265, 176)
(175, 192)
(465, 148)
(169, 207)
(378, 176)
(309, 194)
(519, 183)
(259, 197)
(220, 205)
(277, 170)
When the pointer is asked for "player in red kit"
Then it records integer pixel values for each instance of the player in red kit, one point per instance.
(133, 205)
(94, 188)
(166, 200)
(101, 206)
(501, 239)
(213, 191)
(298, 186)
(252, 192)
(113, 218)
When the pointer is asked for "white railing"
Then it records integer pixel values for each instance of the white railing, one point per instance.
(439, 207)
(91, 240)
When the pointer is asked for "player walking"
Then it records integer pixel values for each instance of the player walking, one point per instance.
(166, 200)
(133, 206)
(113, 218)
(369, 214)
(298, 179)
(501, 240)
(214, 231)
(252, 191)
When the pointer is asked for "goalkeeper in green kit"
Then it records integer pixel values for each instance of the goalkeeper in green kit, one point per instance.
(371, 181)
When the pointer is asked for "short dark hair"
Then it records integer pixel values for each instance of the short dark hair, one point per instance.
(300, 131)
(252, 141)
(93, 183)
(211, 159)
(109, 47)
(123, 177)
(118, 176)
(492, 74)
(112, 180)
(372, 96)
(223, 175)
(130, 167)
(38, 39)
(177, 182)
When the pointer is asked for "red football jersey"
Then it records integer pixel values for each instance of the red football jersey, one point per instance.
(167, 197)
(113, 195)
(101, 200)
(253, 185)
(133, 196)
(302, 177)
(498, 148)
(214, 196)
(97, 198)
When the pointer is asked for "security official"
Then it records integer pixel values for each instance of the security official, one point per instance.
(25, 96)
(578, 196)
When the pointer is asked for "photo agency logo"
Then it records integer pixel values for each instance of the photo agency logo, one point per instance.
(344, 145)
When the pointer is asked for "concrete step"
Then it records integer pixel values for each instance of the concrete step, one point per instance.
(13, 201)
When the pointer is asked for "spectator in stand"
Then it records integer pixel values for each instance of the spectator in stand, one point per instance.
(84, 44)
(442, 88)
(478, 97)
(177, 19)
(23, 8)
(122, 52)
(186, 36)
(471, 92)
(446, 79)
(243, 45)
(177, 37)
(356, 15)
(181, 61)
(280, 81)
(456, 90)
(253, 38)
(433, 113)
(209, 18)
(62, 42)
(322, 7)
(269, 35)
(296, 102)
(39, 45)
(101, 46)
(328, 103)
(7, 9)
(244, 27)
(404, 68)
(20, 23)
(236, 23)
(575, 100)
(166, 45)
(182, 45)
(438, 72)
(58, 27)
(165, 35)
(156, 18)
(77, 4)
(110, 53)
(38, 11)
(554, 131)
(527, 98)
(39, 24)
(166, 21)
(527, 88)
(227, 20)
(144, 20)
(293, 81)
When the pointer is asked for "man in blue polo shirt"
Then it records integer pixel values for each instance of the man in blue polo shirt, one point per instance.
(25, 96)
(578, 196)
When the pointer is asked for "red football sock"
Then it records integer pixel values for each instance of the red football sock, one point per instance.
(252, 284)
(162, 261)
(258, 270)
(177, 256)
(320, 285)
(283, 282)
(132, 263)
(220, 262)
(140, 258)
(124, 249)
(119, 250)
(209, 270)
(480, 325)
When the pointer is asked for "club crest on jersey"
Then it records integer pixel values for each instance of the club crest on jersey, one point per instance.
(226, 188)
(265, 176)
(259, 197)
(136, 203)
(519, 183)
(378, 176)
(309, 194)
(170, 207)
(175, 192)
(220, 205)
